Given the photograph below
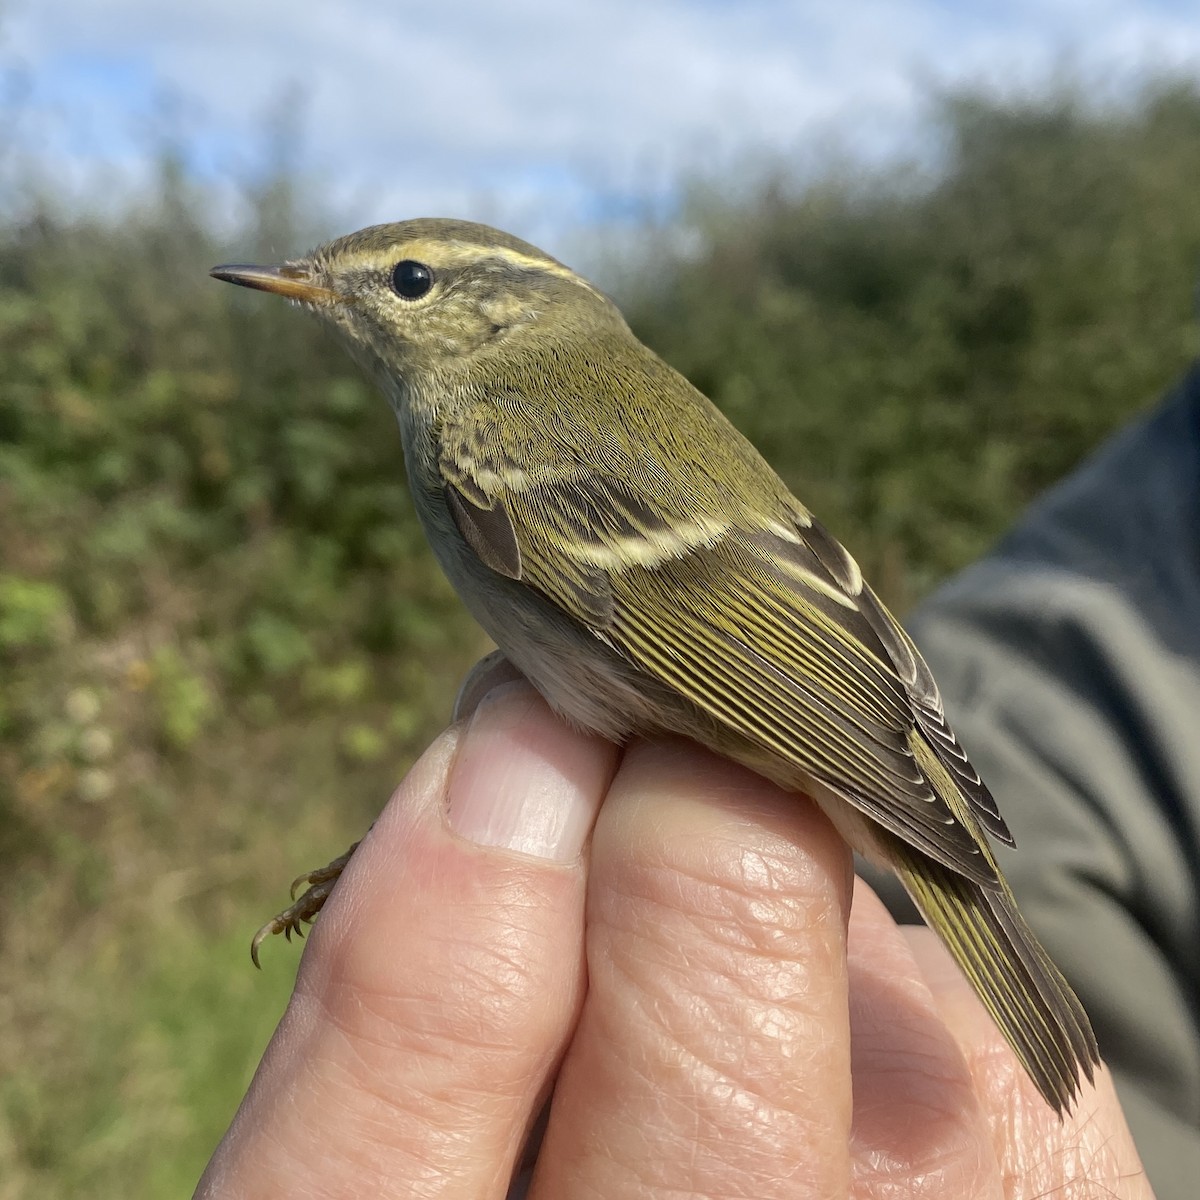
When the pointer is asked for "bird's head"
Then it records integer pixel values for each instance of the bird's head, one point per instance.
(427, 298)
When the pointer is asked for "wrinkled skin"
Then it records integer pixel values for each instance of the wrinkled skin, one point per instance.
(716, 1015)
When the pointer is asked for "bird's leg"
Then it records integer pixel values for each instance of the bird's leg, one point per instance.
(301, 912)
(491, 670)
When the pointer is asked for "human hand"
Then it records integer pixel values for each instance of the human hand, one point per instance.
(701, 1029)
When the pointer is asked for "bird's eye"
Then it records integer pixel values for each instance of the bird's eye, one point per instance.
(411, 280)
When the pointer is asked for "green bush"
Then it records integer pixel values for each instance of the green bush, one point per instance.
(33, 613)
(183, 699)
(920, 355)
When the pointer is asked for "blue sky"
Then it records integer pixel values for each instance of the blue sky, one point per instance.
(539, 114)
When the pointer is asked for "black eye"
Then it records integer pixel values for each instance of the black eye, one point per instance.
(411, 279)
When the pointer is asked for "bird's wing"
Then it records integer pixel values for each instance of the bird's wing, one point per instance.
(764, 624)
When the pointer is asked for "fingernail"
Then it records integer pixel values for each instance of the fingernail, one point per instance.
(525, 781)
(488, 673)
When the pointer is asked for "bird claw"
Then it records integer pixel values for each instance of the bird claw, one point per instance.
(302, 911)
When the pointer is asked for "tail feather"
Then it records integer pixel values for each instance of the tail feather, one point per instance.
(1025, 993)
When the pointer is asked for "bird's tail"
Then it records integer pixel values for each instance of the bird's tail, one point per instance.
(1025, 993)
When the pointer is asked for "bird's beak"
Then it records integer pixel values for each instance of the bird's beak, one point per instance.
(293, 280)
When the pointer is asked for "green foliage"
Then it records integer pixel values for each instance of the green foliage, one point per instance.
(184, 699)
(920, 355)
(222, 638)
(213, 601)
(33, 613)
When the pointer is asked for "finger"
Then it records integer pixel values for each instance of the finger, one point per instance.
(1090, 1152)
(712, 1056)
(918, 1125)
(441, 983)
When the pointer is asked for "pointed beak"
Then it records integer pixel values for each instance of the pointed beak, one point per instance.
(293, 280)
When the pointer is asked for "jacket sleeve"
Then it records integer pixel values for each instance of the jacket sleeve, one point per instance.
(1070, 665)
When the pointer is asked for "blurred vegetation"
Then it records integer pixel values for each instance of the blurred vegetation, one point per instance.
(222, 638)
(220, 646)
(921, 357)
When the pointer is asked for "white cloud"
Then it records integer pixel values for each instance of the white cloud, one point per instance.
(530, 108)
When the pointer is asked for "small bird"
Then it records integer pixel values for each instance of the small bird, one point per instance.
(644, 567)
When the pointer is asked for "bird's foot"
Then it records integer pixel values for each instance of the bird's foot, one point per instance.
(301, 912)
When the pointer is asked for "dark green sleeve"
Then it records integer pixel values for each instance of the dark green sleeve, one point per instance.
(1069, 661)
